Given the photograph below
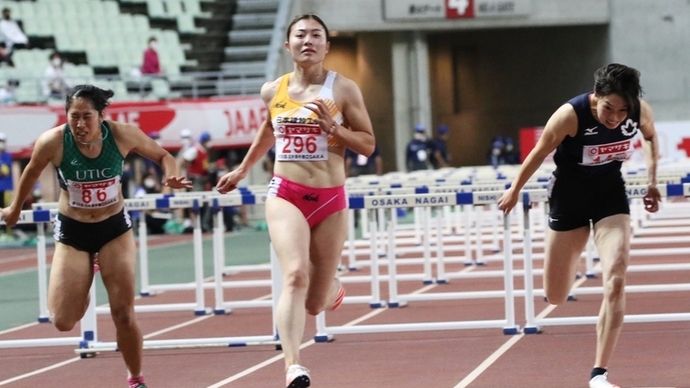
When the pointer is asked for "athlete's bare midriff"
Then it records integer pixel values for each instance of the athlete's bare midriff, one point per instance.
(326, 173)
(88, 215)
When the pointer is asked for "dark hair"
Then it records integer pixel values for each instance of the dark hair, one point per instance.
(54, 54)
(98, 97)
(151, 39)
(622, 80)
(305, 17)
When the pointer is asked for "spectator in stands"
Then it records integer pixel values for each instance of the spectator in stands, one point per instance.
(417, 154)
(7, 96)
(5, 55)
(151, 66)
(55, 85)
(12, 34)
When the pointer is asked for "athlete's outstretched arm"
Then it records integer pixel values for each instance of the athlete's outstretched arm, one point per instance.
(562, 123)
(651, 150)
(44, 152)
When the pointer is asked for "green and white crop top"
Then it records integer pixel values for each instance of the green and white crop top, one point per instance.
(91, 182)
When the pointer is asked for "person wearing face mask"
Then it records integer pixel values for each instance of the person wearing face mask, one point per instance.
(593, 133)
(314, 115)
(151, 65)
(495, 157)
(55, 84)
(155, 219)
(417, 152)
(510, 154)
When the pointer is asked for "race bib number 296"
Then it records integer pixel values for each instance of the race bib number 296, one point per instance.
(301, 142)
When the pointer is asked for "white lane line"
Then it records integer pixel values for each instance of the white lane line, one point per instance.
(71, 360)
(39, 371)
(506, 346)
(311, 342)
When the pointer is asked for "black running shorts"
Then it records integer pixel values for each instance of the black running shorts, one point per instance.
(90, 237)
(575, 201)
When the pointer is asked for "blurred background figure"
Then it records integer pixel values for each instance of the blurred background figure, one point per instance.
(151, 168)
(417, 154)
(55, 84)
(495, 154)
(5, 175)
(7, 92)
(12, 35)
(196, 162)
(186, 141)
(439, 149)
(357, 164)
(510, 153)
(151, 65)
(269, 161)
(157, 218)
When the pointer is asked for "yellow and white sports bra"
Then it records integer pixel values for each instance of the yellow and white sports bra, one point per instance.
(298, 136)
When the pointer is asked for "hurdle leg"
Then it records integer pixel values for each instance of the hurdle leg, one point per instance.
(143, 255)
(43, 313)
(530, 326)
(198, 262)
(426, 243)
(376, 301)
(440, 265)
(89, 323)
(218, 259)
(508, 281)
(392, 269)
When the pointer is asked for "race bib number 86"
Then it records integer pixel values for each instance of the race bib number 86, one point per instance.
(94, 194)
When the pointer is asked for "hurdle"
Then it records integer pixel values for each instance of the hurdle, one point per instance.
(217, 202)
(533, 324)
(91, 346)
(143, 204)
(508, 324)
(87, 326)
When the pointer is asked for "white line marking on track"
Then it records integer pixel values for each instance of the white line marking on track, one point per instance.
(39, 371)
(312, 342)
(506, 346)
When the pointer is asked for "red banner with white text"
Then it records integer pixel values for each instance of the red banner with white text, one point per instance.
(232, 122)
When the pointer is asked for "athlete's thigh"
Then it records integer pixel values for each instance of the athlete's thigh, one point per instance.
(612, 239)
(562, 253)
(289, 233)
(327, 239)
(117, 260)
(71, 275)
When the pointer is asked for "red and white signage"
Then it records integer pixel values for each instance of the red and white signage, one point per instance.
(232, 122)
(454, 9)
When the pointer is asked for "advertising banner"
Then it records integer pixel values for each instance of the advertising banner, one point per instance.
(231, 122)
